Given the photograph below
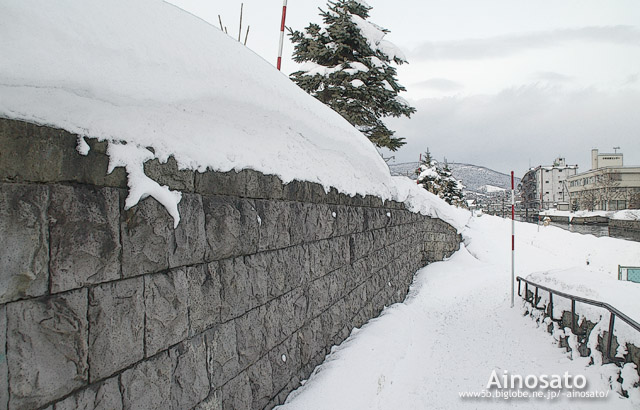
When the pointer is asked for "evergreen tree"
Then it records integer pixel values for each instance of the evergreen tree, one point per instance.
(428, 175)
(439, 180)
(348, 67)
(452, 187)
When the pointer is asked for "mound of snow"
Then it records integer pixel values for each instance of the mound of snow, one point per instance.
(146, 74)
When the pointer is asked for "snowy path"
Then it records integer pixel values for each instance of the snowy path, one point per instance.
(453, 330)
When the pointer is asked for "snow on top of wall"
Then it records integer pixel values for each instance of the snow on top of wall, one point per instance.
(146, 74)
(625, 215)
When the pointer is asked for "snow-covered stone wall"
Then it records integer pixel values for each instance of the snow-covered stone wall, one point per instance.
(102, 307)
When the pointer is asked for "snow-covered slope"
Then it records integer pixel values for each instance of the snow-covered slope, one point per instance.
(146, 74)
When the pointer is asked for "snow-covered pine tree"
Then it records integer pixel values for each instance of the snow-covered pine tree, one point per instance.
(452, 187)
(348, 67)
(428, 175)
(439, 180)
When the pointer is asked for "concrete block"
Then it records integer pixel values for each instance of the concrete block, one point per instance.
(187, 243)
(24, 254)
(46, 348)
(259, 375)
(310, 340)
(42, 154)
(285, 362)
(4, 369)
(297, 213)
(146, 229)
(273, 225)
(231, 227)
(85, 236)
(212, 402)
(166, 310)
(259, 185)
(318, 296)
(204, 296)
(341, 220)
(297, 191)
(102, 396)
(251, 336)
(237, 288)
(169, 174)
(116, 326)
(148, 384)
(257, 265)
(237, 393)
(190, 380)
(222, 354)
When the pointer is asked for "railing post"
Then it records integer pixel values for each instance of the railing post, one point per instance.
(526, 291)
(612, 319)
(551, 305)
(519, 283)
(535, 299)
(573, 315)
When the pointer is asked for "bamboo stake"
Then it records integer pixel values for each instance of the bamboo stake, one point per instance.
(240, 27)
(246, 36)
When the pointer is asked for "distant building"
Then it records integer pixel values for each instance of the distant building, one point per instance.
(605, 160)
(545, 186)
(607, 186)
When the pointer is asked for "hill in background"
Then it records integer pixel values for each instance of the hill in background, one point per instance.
(475, 178)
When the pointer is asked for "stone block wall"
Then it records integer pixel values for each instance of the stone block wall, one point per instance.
(107, 308)
(624, 229)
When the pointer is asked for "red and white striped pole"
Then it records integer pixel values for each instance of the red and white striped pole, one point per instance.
(513, 239)
(284, 15)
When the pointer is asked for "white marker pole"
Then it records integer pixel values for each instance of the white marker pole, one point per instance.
(284, 15)
(513, 240)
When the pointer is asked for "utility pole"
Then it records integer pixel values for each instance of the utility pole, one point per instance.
(513, 239)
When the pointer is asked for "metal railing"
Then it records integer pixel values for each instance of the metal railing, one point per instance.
(613, 311)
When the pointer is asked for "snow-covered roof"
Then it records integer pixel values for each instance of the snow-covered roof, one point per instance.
(147, 74)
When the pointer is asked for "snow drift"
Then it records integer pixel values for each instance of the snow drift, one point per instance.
(146, 74)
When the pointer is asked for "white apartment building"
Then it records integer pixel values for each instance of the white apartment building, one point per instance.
(545, 186)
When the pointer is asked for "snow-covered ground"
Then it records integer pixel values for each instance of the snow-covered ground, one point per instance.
(456, 327)
(626, 214)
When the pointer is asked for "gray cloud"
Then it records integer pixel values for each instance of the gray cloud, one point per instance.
(519, 126)
(632, 79)
(503, 46)
(440, 84)
(551, 76)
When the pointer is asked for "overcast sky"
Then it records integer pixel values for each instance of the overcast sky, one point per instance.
(500, 83)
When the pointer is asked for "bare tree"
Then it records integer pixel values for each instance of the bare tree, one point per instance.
(588, 199)
(607, 184)
(634, 200)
